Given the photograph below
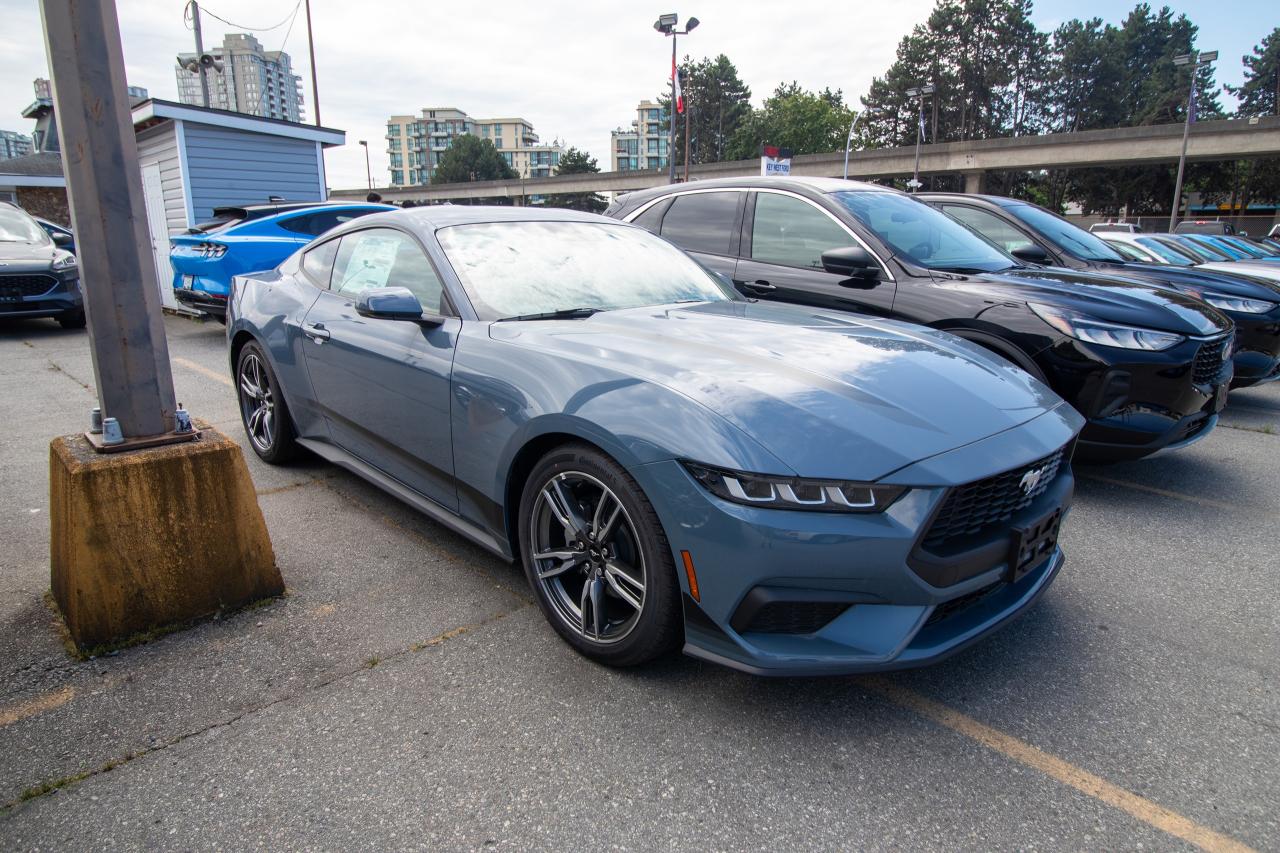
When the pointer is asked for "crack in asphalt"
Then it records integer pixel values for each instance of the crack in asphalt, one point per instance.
(43, 789)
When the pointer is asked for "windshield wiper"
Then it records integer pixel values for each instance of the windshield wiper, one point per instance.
(562, 314)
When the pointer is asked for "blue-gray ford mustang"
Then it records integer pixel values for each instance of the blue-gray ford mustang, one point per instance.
(777, 488)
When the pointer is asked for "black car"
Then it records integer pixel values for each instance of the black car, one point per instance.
(1146, 366)
(1033, 233)
(38, 278)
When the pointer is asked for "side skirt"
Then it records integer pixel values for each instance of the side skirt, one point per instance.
(392, 486)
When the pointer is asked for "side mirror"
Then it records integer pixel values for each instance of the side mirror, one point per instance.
(1030, 253)
(60, 239)
(389, 303)
(850, 262)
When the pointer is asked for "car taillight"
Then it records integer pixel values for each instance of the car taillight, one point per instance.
(209, 250)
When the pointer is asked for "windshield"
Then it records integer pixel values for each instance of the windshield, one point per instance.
(1249, 251)
(1171, 255)
(18, 227)
(1067, 237)
(511, 269)
(922, 234)
(1227, 252)
(1199, 252)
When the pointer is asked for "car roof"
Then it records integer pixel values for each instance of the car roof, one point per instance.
(996, 200)
(794, 183)
(444, 215)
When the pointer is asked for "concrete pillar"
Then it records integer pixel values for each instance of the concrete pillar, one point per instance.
(975, 182)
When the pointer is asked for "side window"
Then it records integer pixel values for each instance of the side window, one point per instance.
(793, 233)
(702, 222)
(651, 219)
(317, 262)
(383, 257)
(988, 225)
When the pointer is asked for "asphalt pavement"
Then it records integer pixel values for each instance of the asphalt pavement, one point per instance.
(407, 693)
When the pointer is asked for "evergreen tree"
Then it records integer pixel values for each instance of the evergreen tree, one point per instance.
(575, 162)
(471, 158)
(717, 102)
(806, 122)
(1260, 93)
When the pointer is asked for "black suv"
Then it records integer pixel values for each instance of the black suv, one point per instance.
(38, 278)
(1033, 233)
(1147, 366)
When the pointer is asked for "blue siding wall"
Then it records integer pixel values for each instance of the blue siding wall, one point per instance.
(230, 167)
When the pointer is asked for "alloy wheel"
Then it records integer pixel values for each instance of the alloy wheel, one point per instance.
(257, 404)
(587, 557)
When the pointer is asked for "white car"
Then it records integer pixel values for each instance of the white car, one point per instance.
(1175, 249)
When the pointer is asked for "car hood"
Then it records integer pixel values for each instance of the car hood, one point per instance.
(1220, 279)
(1255, 270)
(1111, 297)
(24, 257)
(827, 393)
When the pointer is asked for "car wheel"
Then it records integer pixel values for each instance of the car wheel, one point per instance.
(262, 408)
(597, 558)
(72, 319)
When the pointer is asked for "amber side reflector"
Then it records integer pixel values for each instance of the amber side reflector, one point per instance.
(691, 575)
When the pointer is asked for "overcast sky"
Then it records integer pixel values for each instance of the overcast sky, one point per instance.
(574, 69)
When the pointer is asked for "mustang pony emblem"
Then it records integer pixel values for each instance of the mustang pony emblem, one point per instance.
(1030, 480)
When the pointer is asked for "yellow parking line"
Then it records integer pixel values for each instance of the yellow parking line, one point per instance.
(1082, 780)
(38, 705)
(1195, 499)
(204, 371)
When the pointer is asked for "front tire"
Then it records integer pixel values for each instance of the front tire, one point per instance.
(597, 558)
(262, 408)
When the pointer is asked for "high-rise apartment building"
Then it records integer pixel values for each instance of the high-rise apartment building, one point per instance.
(14, 144)
(415, 143)
(644, 146)
(252, 80)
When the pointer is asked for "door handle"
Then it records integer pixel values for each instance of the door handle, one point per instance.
(316, 331)
(761, 285)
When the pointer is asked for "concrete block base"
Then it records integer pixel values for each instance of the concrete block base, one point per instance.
(155, 537)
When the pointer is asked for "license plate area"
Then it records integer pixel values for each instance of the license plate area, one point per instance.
(1220, 397)
(1032, 543)
(188, 282)
(10, 295)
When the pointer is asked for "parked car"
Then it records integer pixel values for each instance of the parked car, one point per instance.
(777, 488)
(53, 229)
(1237, 248)
(1208, 257)
(248, 239)
(1146, 366)
(1043, 236)
(1123, 227)
(1203, 226)
(38, 278)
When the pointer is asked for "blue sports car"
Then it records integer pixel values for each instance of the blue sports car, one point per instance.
(248, 239)
(782, 489)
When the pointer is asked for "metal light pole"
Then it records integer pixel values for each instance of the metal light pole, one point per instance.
(104, 185)
(848, 143)
(195, 25)
(666, 24)
(918, 92)
(1196, 61)
(367, 169)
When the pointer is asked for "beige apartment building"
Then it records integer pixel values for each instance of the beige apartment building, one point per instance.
(415, 143)
(644, 145)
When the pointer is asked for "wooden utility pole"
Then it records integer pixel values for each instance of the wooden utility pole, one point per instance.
(195, 25)
(311, 46)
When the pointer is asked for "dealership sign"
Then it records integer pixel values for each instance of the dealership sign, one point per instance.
(775, 161)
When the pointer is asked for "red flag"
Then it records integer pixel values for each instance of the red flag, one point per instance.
(675, 79)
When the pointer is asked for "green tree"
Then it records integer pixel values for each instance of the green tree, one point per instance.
(1243, 182)
(717, 102)
(1259, 95)
(471, 158)
(575, 162)
(806, 122)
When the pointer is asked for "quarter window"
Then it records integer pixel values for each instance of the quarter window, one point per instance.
(793, 233)
(382, 257)
(988, 225)
(702, 222)
(317, 262)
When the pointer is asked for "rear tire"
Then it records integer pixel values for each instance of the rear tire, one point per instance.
(72, 319)
(263, 411)
(605, 580)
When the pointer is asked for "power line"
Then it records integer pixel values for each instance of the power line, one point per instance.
(288, 19)
(284, 43)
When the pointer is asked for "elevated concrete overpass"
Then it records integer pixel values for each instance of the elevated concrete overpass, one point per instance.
(1125, 146)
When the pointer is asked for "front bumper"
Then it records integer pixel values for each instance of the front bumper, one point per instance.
(1136, 402)
(1257, 348)
(859, 605)
(62, 296)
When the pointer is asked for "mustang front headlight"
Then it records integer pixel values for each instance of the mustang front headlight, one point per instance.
(774, 492)
(1238, 303)
(1091, 330)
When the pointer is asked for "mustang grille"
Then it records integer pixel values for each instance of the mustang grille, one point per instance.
(1209, 361)
(970, 508)
(27, 285)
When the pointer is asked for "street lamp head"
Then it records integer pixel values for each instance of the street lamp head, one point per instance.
(913, 92)
(691, 26)
(364, 142)
(666, 23)
(1207, 56)
(928, 89)
(1182, 59)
